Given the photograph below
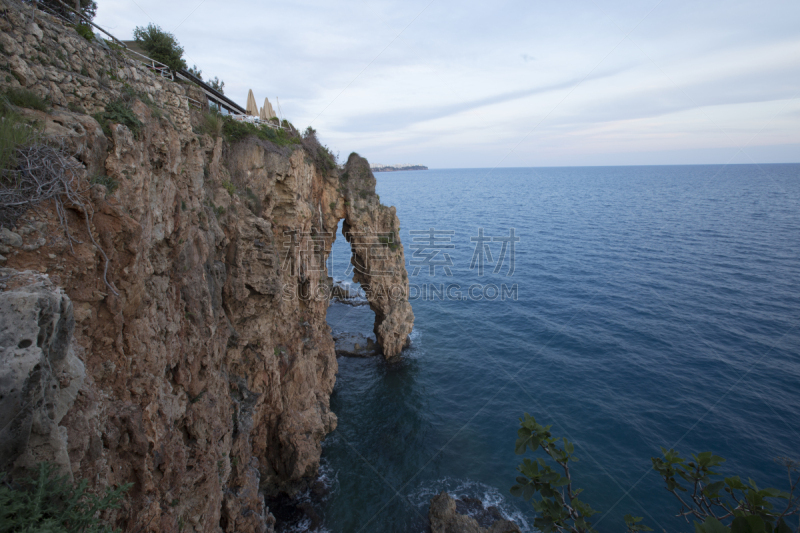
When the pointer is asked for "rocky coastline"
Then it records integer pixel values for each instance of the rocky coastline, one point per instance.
(202, 371)
(397, 168)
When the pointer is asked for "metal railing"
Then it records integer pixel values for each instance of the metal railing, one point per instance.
(156, 66)
(164, 71)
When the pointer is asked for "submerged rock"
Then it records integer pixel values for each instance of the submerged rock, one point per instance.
(355, 345)
(449, 516)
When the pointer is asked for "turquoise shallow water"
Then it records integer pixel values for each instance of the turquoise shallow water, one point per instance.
(657, 306)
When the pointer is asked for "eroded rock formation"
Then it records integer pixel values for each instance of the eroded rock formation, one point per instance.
(39, 373)
(448, 515)
(373, 232)
(208, 376)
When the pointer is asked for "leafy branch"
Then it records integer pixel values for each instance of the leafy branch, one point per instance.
(745, 507)
(558, 507)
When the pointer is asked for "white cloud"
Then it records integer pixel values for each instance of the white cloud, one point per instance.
(473, 84)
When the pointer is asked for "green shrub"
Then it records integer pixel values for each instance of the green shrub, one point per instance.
(211, 123)
(323, 158)
(160, 45)
(85, 31)
(389, 240)
(75, 107)
(235, 130)
(109, 182)
(46, 502)
(119, 112)
(217, 84)
(745, 507)
(230, 187)
(26, 98)
(253, 202)
(14, 133)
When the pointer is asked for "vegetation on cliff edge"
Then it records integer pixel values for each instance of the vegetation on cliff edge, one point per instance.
(234, 130)
(45, 502)
(726, 505)
(160, 45)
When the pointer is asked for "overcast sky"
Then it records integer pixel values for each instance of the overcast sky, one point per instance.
(455, 83)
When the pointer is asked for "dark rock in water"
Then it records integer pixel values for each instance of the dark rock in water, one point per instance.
(319, 489)
(466, 516)
(355, 345)
(311, 515)
(485, 516)
(293, 514)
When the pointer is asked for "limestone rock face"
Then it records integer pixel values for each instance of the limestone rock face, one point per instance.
(209, 366)
(445, 517)
(39, 373)
(373, 231)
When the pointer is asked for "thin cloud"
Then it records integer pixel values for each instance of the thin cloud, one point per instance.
(463, 83)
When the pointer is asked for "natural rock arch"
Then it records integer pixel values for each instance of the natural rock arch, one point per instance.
(373, 231)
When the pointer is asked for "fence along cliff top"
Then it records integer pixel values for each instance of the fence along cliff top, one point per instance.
(159, 68)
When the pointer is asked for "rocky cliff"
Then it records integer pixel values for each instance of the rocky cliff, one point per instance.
(202, 371)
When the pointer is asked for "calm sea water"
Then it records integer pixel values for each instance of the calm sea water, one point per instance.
(656, 306)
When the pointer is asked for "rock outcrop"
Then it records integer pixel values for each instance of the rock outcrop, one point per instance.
(208, 369)
(373, 232)
(39, 373)
(445, 517)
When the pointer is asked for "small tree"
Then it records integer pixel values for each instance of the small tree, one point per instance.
(721, 506)
(557, 505)
(727, 504)
(196, 72)
(47, 502)
(217, 84)
(160, 45)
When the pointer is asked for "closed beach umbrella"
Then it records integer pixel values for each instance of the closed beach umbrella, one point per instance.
(263, 114)
(268, 111)
(252, 107)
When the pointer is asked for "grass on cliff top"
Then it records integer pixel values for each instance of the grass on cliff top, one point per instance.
(14, 133)
(25, 98)
(235, 131)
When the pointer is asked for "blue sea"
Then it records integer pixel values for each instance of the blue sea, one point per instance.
(641, 307)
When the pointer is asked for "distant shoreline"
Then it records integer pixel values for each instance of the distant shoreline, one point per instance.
(390, 168)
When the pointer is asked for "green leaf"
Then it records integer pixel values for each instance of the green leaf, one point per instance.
(740, 525)
(748, 524)
(714, 488)
(711, 525)
(782, 527)
(735, 482)
(632, 522)
(528, 492)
